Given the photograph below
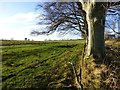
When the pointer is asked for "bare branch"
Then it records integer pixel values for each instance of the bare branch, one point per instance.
(62, 16)
(113, 29)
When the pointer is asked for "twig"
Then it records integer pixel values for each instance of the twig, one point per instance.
(76, 76)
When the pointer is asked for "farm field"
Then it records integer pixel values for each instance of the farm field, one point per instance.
(39, 64)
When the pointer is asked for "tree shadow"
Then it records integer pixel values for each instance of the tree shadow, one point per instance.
(110, 69)
(111, 77)
(102, 73)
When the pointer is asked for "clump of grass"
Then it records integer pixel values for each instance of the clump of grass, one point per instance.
(91, 74)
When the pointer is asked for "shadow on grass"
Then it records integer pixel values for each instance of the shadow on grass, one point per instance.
(103, 74)
(109, 68)
(111, 76)
(54, 76)
(66, 46)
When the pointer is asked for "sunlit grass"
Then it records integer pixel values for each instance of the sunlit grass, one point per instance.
(45, 65)
(38, 64)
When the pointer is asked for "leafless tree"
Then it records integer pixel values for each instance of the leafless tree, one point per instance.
(64, 17)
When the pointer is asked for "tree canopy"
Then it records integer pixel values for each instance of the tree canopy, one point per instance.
(68, 17)
(64, 17)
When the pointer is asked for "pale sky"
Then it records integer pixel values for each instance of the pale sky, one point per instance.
(18, 19)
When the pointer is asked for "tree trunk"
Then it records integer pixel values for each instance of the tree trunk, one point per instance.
(95, 14)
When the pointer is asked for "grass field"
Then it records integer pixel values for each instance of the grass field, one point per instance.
(34, 64)
(45, 65)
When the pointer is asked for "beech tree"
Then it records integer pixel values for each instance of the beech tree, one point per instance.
(64, 17)
(85, 16)
(95, 16)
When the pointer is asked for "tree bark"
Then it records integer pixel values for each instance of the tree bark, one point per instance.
(95, 14)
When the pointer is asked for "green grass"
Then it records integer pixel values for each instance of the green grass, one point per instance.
(44, 65)
(34, 64)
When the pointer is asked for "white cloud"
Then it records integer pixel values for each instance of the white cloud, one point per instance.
(20, 17)
(20, 25)
(28, 17)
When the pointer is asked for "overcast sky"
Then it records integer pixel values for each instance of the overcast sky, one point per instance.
(18, 19)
